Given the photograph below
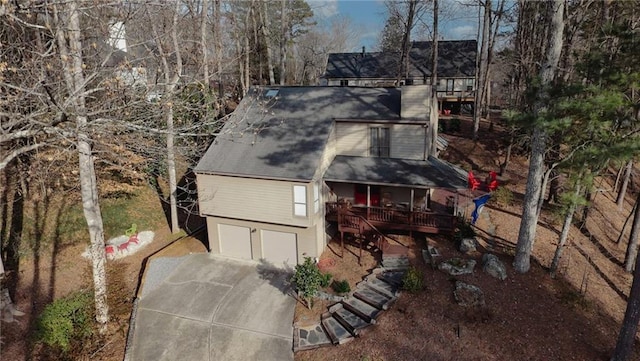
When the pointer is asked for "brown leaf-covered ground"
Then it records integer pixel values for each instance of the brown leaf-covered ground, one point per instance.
(527, 317)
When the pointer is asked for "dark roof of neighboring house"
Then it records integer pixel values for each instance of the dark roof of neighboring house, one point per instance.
(432, 173)
(456, 58)
(283, 137)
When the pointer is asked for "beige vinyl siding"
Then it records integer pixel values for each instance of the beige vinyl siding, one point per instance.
(407, 141)
(251, 199)
(352, 139)
(328, 155)
(414, 103)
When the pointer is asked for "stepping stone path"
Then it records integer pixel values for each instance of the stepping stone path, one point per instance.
(353, 315)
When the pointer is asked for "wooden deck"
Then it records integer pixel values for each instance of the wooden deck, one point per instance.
(358, 220)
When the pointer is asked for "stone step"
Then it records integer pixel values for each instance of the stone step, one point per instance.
(335, 330)
(361, 308)
(396, 263)
(309, 337)
(352, 322)
(372, 297)
(394, 251)
(392, 277)
(382, 286)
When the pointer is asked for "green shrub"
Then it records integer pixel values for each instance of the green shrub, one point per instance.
(326, 280)
(307, 279)
(412, 280)
(341, 287)
(442, 126)
(464, 230)
(65, 321)
(502, 196)
(455, 125)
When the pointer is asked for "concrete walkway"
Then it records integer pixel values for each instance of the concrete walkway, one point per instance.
(201, 307)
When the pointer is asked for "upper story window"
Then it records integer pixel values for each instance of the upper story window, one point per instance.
(344, 82)
(300, 201)
(469, 83)
(379, 142)
(450, 86)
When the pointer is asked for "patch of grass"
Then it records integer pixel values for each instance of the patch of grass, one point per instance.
(325, 281)
(341, 287)
(412, 280)
(60, 220)
(502, 196)
(574, 299)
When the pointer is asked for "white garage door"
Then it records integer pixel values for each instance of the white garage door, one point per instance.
(235, 241)
(280, 248)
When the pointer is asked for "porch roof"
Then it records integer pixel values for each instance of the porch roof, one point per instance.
(432, 173)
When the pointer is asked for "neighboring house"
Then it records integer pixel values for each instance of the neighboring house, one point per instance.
(456, 70)
(269, 185)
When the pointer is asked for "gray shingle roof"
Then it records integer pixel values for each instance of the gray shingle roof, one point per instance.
(456, 58)
(432, 173)
(284, 137)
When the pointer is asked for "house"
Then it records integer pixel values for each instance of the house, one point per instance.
(270, 184)
(456, 70)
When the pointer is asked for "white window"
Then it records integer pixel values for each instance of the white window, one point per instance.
(379, 142)
(300, 201)
(316, 198)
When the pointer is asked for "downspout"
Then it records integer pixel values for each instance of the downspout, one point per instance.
(425, 155)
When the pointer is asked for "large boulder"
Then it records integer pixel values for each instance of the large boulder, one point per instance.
(457, 266)
(467, 295)
(467, 245)
(493, 266)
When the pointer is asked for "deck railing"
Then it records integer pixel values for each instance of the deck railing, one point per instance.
(389, 218)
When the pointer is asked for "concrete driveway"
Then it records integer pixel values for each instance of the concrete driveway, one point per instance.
(202, 307)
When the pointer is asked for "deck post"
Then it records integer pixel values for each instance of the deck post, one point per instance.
(360, 256)
(411, 199)
(341, 244)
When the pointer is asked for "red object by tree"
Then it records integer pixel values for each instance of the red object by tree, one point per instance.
(493, 181)
(473, 182)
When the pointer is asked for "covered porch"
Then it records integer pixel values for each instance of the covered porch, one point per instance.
(393, 194)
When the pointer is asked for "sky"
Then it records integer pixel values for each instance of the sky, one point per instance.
(457, 21)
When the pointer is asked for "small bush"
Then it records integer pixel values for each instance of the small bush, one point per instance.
(412, 280)
(341, 287)
(442, 126)
(463, 230)
(502, 196)
(455, 125)
(65, 321)
(307, 279)
(326, 280)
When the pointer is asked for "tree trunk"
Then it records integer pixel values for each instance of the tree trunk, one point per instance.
(624, 346)
(507, 157)
(482, 69)
(70, 47)
(568, 221)
(632, 247)
(203, 44)
(434, 80)
(406, 42)
(527, 232)
(543, 188)
(626, 221)
(217, 32)
(283, 41)
(625, 183)
(171, 78)
(171, 167)
(264, 19)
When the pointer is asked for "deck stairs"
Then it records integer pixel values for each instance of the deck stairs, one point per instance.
(350, 318)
